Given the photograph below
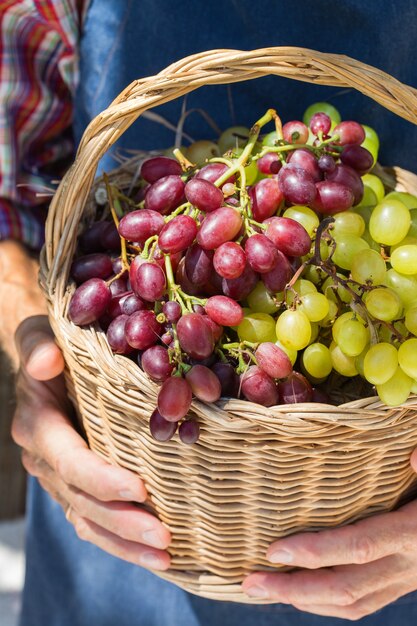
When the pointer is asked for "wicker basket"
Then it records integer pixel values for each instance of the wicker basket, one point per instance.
(256, 474)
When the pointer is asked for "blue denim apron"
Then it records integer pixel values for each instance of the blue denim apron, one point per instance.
(73, 583)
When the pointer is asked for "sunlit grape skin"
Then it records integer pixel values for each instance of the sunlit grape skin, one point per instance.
(178, 234)
(332, 197)
(349, 132)
(213, 171)
(116, 335)
(289, 236)
(155, 362)
(161, 429)
(296, 388)
(204, 383)
(142, 330)
(174, 399)
(307, 161)
(203, 194)
(279, 276)
(224, 311)
(229, 260)
(165, 195)
(272, 360)
(89, 302)
(266, 198)
(157, 167)
(261, 253)
(296, 185)
(189, 432)
(140, 225)
(218, 227)
(148, 281)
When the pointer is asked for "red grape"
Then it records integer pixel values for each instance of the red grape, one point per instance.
(111, 238)
(178, 234)
(261, 253)
(116, 335)
(198, 264)
(229, 380)
(320, 123)
(157, 167)
(215, 328)
(332, 197)
(142, 329)
(239, 288)
(272, 360)
(213, 171)
(174, 399)
(349, 132)
(203, 195)
(89, 302)
(295, 132)
(269, 163)
(139, 225)
(195, 337)
(155, 362)
(347, 176)
(148, 281)
(165, 195)
(97, 265)
(280, 275)
(91, 239)
(172, 311)
(358, 158)
(204, 383)
(118, 286)
(294, 389)
(266, 198)
(289, 236)
(258, 387)
(189, 432)
(229, 260)
(218, 227)
(296, 184)
(224, 311)
(161, 429)
(306, 160)
(327, 163)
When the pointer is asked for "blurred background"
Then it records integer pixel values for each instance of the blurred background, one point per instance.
(12, 505)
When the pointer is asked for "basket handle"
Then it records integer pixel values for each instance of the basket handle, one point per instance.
(180, 78)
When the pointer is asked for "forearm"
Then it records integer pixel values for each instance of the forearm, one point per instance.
(20, 295)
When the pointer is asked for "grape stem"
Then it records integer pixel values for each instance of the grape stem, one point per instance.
(182, 160)
(117, 212)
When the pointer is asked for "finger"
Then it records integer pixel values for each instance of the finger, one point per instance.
(59, 445)
(341, 586)
(362, 542)
(363, 607)
(37, 349)
(122, 519)
(127, 550)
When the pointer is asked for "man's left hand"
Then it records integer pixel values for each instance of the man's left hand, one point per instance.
(355, 569)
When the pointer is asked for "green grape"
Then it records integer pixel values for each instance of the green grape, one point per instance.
(390, 222)
(292, 354)
(347, 247)
(348, 222)
(315, 329)
(304, 216)
(408, 199)
(369, 198)
(371, 134)
(396, 390)
(260, 299)
(329, 288)
(342, 363)
(233, 137)
(404, 259)
(352, 337)
(328, 320)
(372, 147)
(359, 361)
(407, 241)
(201, 151)
(407, 357)
(364, 211)
(404, 286)
(368, 267)
(414, 386)
(315, 306)
(411, 320)
(383, 303)
(371, 243)
(257, 328)
(376, 184)
(385, 333)
(413, 226)
(293, 329)
(270, 139)
(313, 274)
(317, 360)
(348, 316)
(321, 107)
(301, 287)
(380, 363)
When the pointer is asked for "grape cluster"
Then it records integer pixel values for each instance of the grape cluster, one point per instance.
(255, 268)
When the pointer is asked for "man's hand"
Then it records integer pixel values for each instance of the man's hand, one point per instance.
(356, 569)
(97, 497)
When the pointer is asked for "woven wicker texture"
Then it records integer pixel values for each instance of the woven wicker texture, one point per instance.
(256, 474)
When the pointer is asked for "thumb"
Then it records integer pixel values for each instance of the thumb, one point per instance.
(39, 354)
(413, 460)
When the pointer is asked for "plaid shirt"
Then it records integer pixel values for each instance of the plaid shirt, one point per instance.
(38, 73)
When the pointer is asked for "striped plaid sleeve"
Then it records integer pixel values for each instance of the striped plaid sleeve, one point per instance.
(38, 54)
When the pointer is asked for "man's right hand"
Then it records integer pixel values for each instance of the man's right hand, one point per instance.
(96, 496)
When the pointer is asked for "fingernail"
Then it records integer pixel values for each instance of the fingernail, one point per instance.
(38, 354)
(256, 592)
(152, 538)
(126, 495)
(281, 556)
(149, 559)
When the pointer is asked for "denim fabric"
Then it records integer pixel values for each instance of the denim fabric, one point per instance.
(72, 583)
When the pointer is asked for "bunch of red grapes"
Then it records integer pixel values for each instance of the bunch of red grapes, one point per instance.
(210, 275)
